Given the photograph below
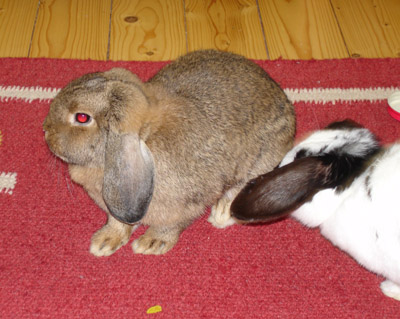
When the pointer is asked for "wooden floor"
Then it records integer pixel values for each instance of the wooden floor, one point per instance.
(157, 30)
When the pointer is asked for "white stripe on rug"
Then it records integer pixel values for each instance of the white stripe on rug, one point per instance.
(332, 95)
(315, 95)
(7, 182)
(27, 94)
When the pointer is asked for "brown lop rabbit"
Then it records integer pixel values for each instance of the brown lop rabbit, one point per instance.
(157, 153)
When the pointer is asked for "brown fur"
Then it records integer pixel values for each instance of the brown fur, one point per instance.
(207, 123)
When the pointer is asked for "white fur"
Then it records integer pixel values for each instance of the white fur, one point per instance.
(353, 142)
(364, 219)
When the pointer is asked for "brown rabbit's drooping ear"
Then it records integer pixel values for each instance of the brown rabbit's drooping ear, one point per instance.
(128, 177)
(277, 193)
(129, 167)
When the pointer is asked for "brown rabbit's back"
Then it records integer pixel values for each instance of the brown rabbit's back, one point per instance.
(216, 78)
(236, 124)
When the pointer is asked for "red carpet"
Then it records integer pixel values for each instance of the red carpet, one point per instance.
(281, 270)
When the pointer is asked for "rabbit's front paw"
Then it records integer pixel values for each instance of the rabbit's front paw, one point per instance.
(220, 215)
(390, 289)
(108, 239)
(155, 242)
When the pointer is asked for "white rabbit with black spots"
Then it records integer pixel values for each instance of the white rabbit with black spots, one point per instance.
(341, 180)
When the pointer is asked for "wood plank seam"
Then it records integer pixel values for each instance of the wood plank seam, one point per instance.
(33, 29)
(109, 31)
(263, 30)
(185, 24)
(340, 28)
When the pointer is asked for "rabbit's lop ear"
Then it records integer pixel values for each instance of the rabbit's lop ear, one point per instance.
(128, 182)
(277, 193)
(128, 177)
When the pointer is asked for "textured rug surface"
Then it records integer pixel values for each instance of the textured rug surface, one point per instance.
(282, 270)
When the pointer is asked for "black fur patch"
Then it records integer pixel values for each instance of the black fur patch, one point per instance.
(346, 124)
(275, 194)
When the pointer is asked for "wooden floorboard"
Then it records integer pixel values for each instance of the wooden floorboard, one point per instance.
(226, 25)
(151, 30)
(156, 30)
(302, 29)
(72, 29)
(17, 19)
(371, 28)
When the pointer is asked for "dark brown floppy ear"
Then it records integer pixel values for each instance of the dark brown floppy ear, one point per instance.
(128, 177)
(277, 193)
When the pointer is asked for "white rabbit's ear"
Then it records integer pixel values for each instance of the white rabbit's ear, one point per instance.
(128, 177)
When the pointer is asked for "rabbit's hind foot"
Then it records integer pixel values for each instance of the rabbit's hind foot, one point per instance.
(220, 215)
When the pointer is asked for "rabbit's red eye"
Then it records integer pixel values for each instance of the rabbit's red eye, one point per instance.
(82, 118)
